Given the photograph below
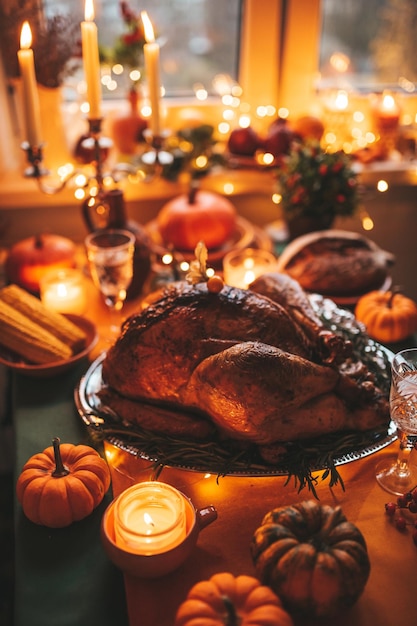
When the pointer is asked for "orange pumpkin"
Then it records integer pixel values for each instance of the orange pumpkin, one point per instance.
(30, 259)
(62, 484)
(388, 316)
(200, 216)
(312, 557)
(226, 600)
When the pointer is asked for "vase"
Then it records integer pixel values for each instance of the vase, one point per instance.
(304, 224)
(127, 128)
(56, 151)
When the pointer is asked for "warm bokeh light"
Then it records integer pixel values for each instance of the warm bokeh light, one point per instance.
(382, 185)
(340, 62)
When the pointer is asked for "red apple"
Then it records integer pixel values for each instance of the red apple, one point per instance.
(85, 149)
(279, 138)
(244, 141)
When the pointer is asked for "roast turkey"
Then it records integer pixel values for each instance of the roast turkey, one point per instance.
(241, 363)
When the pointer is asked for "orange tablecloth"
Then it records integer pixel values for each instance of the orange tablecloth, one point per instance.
(390, 595)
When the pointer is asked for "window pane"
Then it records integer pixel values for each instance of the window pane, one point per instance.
(199, 38)
(369, 45)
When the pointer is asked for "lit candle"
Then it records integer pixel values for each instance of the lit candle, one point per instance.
(91, 61)
(151, 52)
(31, 109)
(387, 113)
(243, 266)
(64, 291)
(150, 518)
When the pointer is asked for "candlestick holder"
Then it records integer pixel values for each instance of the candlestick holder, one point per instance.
(156, 156)
(34, 158)
(94, 137)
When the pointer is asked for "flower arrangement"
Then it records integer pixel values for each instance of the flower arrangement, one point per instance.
(317, 184)
(57, 51)
(128, 49)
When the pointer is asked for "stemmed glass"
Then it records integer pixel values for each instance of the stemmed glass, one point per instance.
(110, 258)
(401, 476)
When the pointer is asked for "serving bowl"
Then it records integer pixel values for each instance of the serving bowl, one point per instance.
(46, 370)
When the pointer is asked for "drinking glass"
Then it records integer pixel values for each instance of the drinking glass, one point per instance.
(110, 258)
(401, 476)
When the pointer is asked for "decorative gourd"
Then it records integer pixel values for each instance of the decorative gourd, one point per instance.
(226, 600)
(312, 557)
(30, 259)
(389, 316)
(62, 484)
(199, 216)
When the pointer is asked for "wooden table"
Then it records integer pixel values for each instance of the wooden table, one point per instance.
(63, 577)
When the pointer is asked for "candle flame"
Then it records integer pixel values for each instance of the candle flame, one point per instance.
(148, 28)
(26, 36)
(148, 519)
(388, 103)
(89, 11)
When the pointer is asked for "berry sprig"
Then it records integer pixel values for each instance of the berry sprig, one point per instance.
(398, 511)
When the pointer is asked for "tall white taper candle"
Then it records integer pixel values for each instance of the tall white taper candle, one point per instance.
(91, 61)
(31, 108)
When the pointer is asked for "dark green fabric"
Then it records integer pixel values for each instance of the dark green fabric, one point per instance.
(63, 576)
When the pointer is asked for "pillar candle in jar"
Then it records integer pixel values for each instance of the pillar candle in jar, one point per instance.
(150, 518)
(387, 112)
(64, 291)
(151, 53)
(91, 61)
(241, 267)
(31, 107)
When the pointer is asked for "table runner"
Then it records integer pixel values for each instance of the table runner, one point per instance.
(389, 597)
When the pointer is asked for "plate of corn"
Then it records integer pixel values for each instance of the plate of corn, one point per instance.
(38, 342)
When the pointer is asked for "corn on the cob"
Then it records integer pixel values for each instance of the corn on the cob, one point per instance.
(55, 323)
(29, 340)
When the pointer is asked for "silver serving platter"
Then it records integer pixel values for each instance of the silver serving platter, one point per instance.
(101, 419)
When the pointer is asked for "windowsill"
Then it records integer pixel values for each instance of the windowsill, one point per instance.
(18, 191)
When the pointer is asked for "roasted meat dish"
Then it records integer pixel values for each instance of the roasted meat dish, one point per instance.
(336, 263)
(255, 366)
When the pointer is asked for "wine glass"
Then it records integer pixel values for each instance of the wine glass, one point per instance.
(401, 476)
(110, 258)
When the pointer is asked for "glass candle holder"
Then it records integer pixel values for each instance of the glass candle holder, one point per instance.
(64, 291)
(241, 267)
(150, 518)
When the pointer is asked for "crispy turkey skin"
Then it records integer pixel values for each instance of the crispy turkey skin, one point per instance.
(243, 362)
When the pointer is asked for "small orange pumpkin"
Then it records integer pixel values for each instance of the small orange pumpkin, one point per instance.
(389, 316)
(226, 600)
(62, 484)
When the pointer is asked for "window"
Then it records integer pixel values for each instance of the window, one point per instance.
(199, 39)
(369, 45)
